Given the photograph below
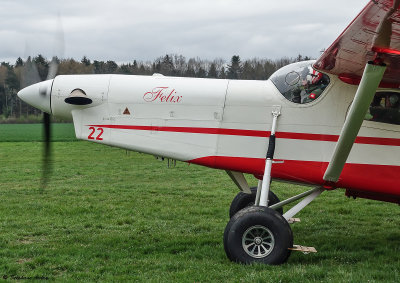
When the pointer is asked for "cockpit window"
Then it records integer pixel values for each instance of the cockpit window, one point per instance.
(299, 82)
(385, 108)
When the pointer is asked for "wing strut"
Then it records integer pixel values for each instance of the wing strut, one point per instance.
(370, 80)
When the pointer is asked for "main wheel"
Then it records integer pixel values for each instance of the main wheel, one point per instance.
(258, 234)
(243, 200)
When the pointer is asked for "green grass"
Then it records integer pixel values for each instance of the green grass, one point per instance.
(111, 216)
(34, 132)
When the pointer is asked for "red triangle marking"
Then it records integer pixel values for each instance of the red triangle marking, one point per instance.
(126, 111)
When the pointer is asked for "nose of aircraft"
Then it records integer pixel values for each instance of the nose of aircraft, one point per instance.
(38, 95)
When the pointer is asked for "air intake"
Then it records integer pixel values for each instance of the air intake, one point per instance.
(78, 97)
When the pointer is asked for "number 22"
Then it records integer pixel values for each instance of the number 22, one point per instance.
(93, 130)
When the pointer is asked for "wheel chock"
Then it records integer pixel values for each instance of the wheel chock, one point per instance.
(293, 220)
(303, 249)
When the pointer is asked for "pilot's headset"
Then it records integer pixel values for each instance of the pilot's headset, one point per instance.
(313, 76)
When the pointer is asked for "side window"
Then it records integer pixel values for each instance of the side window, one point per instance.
(385, 108)
(299, 82)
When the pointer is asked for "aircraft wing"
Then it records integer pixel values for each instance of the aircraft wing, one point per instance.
(376, 30)
(367, 54)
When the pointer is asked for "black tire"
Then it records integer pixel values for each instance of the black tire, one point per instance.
(258, 235)
(243, 200)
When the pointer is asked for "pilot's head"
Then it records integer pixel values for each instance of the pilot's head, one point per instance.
(394, 99)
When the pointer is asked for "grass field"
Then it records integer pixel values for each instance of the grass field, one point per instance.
(108, 215)
(33, 132)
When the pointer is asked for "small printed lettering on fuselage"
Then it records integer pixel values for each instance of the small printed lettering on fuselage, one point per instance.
(162, 94)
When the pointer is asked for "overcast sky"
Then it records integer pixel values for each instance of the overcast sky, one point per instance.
(124, 30)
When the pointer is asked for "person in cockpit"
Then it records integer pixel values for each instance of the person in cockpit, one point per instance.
(314, 85)
(393, 113)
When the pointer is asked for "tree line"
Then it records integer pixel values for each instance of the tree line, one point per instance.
(14, 77)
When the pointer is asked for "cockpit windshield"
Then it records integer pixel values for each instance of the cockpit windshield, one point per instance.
(299, 82)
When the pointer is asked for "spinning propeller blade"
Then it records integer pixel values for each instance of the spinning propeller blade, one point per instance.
(59, 50)
(38, 93)
(46, 168)
(30, 74)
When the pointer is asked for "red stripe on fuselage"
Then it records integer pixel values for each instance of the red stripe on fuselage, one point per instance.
(254, 133)
(363, 177)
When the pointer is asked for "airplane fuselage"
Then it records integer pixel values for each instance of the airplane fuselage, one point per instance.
(225, 124)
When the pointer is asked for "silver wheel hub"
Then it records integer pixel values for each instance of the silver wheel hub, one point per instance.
(258, 241)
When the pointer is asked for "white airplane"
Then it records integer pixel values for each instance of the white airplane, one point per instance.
(330, 123)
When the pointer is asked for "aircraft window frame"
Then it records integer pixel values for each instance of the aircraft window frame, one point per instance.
(300, 83)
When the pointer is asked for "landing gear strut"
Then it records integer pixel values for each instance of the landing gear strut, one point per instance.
(260, 233)
(243, 200)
